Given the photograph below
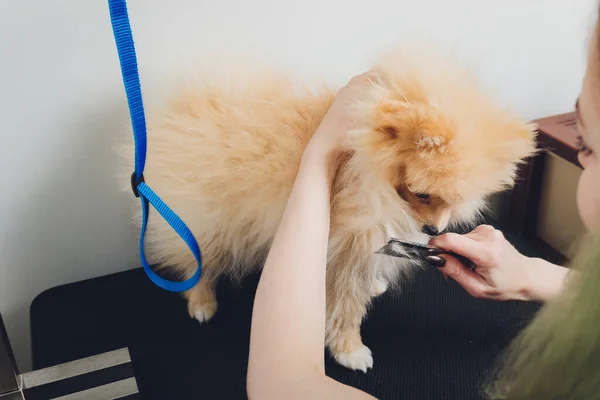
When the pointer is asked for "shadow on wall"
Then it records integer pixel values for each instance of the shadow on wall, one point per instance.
(75, 225)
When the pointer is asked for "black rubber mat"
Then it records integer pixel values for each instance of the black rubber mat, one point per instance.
(432, 341)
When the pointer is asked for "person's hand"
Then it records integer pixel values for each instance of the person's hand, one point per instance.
(501, 273)
(331, 133)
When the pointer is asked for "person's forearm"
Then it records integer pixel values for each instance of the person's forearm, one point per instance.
(544, 281)
(288, 322)
(314, 386)
(287, 339)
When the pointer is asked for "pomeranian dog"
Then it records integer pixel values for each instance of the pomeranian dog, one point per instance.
(428, 148)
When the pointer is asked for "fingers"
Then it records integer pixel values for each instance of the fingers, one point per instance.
(489, 250)
(471, 281)
(460, 244)
(357, 82)
(361, 78)
(482, 229)
(485, 233)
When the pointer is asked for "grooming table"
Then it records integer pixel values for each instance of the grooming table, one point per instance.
(433, 341)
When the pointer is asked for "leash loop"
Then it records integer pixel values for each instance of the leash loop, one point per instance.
(119, 19)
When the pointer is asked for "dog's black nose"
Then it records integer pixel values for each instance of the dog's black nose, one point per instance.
(430, 230)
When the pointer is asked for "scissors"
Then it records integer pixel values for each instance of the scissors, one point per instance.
(415, 251)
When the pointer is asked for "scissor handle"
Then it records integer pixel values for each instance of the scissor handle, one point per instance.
(462, 259)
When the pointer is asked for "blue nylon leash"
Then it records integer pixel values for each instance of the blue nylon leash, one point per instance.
(129, 69)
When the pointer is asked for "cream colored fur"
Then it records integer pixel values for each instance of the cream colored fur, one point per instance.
(223, 154)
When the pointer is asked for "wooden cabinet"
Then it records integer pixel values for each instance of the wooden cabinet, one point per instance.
(545, 189)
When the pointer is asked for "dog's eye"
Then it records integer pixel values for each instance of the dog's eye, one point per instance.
(423, 196)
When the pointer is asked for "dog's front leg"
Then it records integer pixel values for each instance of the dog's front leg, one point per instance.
(349, 292)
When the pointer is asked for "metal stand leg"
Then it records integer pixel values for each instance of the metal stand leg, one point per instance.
(107, 376)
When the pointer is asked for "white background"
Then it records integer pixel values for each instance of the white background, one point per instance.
(62, 103)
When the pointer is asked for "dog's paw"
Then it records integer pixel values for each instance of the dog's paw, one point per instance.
(202, 312)
(379, 287)
(359, 359)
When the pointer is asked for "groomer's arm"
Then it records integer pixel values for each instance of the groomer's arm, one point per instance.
(288, 322)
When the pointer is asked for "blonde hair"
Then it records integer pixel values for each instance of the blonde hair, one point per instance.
(558, 355)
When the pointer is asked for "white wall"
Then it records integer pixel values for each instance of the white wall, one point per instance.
(62, 102)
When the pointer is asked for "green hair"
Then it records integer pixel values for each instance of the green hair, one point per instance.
(558, 355)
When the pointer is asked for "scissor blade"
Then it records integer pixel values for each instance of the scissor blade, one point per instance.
(389, 250)
(409, 245)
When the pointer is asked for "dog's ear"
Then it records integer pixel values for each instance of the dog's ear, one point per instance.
(520, 142)
(389, 117)
(414, 127)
